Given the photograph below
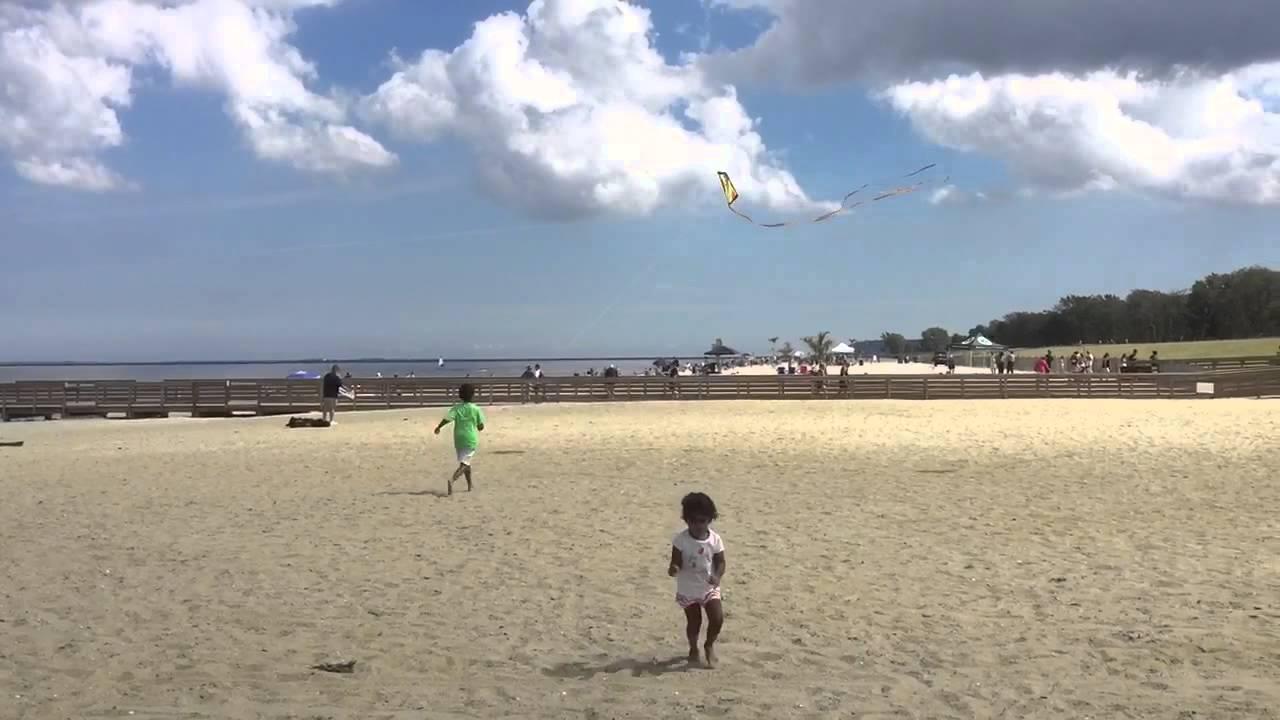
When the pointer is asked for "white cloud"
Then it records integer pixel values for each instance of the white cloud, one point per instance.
(814, 42)
(571, 111)
(1089, 95)
(1202, 138)
(77, 173)
(66, 72)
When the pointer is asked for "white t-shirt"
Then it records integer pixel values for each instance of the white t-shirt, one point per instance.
(692, 582)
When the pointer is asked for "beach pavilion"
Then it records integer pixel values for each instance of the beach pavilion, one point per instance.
(977, 344)
(719, 351)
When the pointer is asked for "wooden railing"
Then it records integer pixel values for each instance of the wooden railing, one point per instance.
(1027, 363)
(268, 397)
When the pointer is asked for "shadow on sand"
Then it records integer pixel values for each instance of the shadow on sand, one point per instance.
(416, 493)
(651, 667)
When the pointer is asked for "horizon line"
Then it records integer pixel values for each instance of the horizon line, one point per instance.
(338, 361)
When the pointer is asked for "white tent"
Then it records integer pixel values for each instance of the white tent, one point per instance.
(843, 349)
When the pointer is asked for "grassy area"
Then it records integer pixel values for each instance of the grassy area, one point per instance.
(1202, 349)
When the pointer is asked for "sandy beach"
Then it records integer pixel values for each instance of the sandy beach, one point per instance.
(1012, 559)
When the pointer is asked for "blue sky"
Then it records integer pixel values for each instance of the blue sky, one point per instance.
(211, 248)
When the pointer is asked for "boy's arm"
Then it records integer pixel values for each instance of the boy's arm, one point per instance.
(480, 422)
(717, 568)
(443, 422)
(676, 562)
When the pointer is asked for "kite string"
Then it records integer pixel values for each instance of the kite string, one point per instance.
(731, 196)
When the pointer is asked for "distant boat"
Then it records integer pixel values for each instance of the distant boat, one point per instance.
(439, 362)
(303, 375)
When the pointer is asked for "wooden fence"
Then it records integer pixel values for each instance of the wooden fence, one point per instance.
(269, 397)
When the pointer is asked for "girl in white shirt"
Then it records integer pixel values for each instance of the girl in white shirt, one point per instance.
(697, 564)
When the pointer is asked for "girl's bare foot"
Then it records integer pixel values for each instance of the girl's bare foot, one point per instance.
(694, 658)
(711, 656)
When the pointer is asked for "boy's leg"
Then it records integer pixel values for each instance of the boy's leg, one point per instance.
(466, 471)
(715, 620)
(692, 628)
(456, 474)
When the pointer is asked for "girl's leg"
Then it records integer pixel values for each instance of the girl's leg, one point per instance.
(692, 628)
(466, 471)
(715, 620)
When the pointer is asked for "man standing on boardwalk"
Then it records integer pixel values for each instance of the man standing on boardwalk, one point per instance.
(329, 399)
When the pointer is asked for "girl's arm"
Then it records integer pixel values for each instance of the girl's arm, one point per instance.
(443, 422)
(676, 563)
(717, 568)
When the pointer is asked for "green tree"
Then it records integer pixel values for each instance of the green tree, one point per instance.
(894, 343)
(788, 352)
(935, 339)
(820, 345)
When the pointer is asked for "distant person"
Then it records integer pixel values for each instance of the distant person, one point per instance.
(1155, 361)
(610, 377)
(1106, 362)
(331, 386)
(1042, 365)
(539, 384)
(526, 387)
(468, 423)
(697, 564)
(951, 364)
(1009, 359)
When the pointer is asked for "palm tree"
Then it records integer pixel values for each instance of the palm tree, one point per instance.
(787, 350)
(820, 345)
(773, 343)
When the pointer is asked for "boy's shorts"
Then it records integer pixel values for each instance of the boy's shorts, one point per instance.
(465, 455)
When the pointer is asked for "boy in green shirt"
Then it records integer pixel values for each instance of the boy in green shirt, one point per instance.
(468, 421)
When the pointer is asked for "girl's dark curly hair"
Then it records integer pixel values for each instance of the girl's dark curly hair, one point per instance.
(467, 392)
(696, 505)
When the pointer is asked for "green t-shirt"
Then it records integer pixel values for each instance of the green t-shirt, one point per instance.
(466, 419)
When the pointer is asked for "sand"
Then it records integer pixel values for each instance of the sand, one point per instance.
(1012, 559)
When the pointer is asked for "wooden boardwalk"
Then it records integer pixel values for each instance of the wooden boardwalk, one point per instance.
(206, 398)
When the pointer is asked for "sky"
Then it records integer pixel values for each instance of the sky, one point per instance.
(264, 179)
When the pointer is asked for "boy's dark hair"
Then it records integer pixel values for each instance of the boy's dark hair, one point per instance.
(698, 504)
(467, 392)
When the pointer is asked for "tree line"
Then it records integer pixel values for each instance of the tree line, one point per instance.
(1241, 304)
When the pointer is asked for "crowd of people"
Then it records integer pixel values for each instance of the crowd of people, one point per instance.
(1084, 361)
